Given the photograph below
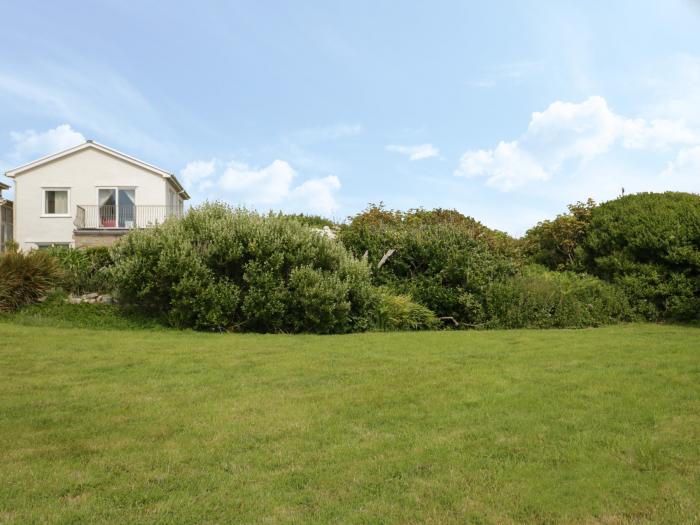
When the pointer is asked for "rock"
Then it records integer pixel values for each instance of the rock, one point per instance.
(72, 299)
(91, 295)
(105, 299)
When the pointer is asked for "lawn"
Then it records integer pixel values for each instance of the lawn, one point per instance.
(140, 425)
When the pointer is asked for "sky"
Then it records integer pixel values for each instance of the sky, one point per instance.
(506, 111)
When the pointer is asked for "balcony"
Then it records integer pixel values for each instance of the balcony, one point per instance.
(122, 217)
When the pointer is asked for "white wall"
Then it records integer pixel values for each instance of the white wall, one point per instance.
(83, 173)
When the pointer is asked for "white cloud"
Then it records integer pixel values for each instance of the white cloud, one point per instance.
(572, 135)
(30, 145)
(269, 187)
(90, 96)
(419, 152)
(685, 168)
(197, 173)
(508, 167)
(317, 195)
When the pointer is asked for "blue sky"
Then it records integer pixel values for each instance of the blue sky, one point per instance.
(506, 111)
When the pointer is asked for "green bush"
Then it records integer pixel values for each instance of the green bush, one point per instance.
(314, 221)
(400, 312)
(225, 269)
(26, 277)
(539, 298)
(85, 269)
(649, 244)
(443, 260)
(556, 243)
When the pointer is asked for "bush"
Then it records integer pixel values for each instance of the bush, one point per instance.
(26, 277)
(85, 269)
(556, 244)
(442, 259)
(539, 298)
(400, 312)
(649, 244)
(220, 268)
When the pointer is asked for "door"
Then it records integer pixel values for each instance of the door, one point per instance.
(107, 200)
(117, 207)
(126, 206)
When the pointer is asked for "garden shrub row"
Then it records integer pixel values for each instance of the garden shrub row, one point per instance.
(219, 268)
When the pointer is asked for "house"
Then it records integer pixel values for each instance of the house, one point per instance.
(5, 218)
(90, 195)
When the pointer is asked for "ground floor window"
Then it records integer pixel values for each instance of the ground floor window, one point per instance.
(47, 245)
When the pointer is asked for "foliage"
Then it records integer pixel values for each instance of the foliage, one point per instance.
(220, 268)
(443, 260)
(26, 278)
(315, 221)
(400, 312)
(539, 298)
(85, 269)
(649, 244)
(556, 243)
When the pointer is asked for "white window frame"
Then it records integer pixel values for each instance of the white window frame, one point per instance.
(44, 213)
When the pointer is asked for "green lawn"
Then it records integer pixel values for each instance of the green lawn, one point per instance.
(133, 426)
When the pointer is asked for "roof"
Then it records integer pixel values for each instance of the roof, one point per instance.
(4, 186)
(104, 149)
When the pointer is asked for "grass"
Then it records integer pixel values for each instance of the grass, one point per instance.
(161, 426)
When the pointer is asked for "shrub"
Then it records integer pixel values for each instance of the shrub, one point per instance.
(649, 244)
(442, 259)
(84, 269)
(314, 221)
(220, 268)
(556, 243)
(400, 312)
(26, 277)
(539, 298)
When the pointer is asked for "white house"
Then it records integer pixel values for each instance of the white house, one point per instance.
(5, 218)
(90, 195)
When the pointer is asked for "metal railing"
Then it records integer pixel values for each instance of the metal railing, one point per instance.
(110, 217)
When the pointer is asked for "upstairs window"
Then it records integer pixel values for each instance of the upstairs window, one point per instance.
(56, 202)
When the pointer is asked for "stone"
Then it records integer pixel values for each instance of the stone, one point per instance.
(105, 299)
(72, 299)
(91, 295)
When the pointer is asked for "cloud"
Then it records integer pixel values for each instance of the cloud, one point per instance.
(269, 185)
(420, 152)
(90, 96)
(507, 166)
(317, 195)
(272, 186)
(197, 173)
(685, 168)
(30, 145)
(571, 135)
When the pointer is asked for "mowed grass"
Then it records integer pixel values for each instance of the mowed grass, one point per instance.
(141, 426)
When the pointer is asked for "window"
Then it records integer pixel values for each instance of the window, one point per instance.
(47, 245)
(56, 202)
